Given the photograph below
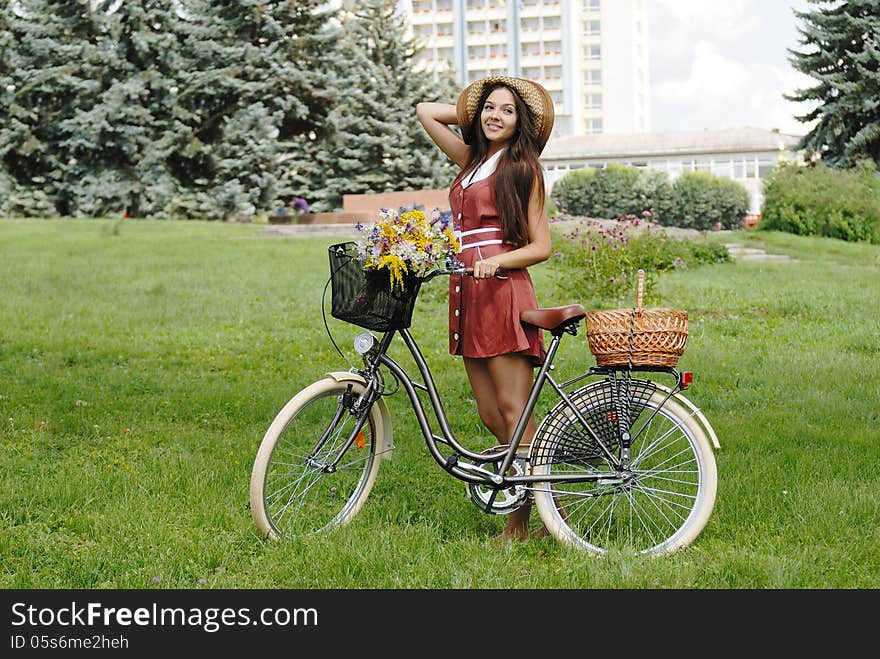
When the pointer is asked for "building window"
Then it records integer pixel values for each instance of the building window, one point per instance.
(591, 5)
(765, 166)
(594, 52)
(594, 101)
(593, 77)
(721, 168)
(591, 28)
(593, 126)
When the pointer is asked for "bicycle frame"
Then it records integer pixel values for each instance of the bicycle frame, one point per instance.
(377, 356)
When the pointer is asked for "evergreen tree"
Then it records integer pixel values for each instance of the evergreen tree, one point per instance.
(251, 86)
(118, 146)
(157, 107)
(374, 141)
(841, 50)
(55, 69)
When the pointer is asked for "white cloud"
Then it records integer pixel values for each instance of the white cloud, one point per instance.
(713, 83)
(724, 64)
(712, 19)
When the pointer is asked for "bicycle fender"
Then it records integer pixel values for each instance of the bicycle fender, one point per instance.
(386, 445)
(696, 412)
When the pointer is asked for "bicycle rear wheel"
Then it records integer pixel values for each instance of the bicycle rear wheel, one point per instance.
(293, 490)
(659, 506)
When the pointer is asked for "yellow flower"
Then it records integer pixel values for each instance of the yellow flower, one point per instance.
(407, 242)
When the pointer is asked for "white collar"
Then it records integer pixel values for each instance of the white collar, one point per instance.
(483, 170)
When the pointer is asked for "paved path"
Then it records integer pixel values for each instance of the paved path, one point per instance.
(304, 230)
(740, 253)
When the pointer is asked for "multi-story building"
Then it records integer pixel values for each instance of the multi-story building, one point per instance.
(591, 55)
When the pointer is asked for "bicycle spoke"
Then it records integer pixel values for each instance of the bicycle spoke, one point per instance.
(650, 505)
(295, 486)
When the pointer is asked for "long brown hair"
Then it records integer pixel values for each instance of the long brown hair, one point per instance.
(519, 168)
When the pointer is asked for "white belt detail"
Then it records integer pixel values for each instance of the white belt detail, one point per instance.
(472, 232)
(494, 241)
(462, 234)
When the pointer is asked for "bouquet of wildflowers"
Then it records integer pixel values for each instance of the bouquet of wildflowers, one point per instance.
(406, 243)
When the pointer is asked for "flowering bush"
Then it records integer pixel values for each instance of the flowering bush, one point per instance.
(406, 243)
(596, 260)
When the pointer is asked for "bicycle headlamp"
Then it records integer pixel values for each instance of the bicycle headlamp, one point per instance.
(364, 342)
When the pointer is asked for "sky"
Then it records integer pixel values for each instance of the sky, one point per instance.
(724, 64)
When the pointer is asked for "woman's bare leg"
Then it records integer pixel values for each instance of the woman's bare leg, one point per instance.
(501, 387)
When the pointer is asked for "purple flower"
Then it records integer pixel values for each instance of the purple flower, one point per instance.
(155, 580)
(300, 205)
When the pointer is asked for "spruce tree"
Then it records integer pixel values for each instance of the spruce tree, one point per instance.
(250, 86)
(55, 72)
(185, 108)
(374, 141)
(841, 50)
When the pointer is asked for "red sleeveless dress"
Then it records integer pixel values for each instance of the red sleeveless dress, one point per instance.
(484, 314)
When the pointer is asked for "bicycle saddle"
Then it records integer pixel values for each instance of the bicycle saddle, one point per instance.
(554, 318)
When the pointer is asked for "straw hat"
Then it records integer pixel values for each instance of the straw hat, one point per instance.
(536, 98)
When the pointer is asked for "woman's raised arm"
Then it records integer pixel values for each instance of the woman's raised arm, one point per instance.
(436, 119)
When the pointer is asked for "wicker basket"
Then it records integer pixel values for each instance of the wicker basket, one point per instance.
(637, 337)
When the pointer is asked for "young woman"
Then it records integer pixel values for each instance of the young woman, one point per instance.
(498, 206)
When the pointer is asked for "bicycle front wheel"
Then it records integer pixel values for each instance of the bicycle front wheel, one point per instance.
(658, 506)
(304, 478)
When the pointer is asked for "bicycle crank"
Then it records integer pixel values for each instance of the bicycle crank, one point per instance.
(507, 499)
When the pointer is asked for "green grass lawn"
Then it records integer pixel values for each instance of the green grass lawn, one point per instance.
(142, 361)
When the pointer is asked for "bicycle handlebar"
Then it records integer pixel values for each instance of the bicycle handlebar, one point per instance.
(454, 267)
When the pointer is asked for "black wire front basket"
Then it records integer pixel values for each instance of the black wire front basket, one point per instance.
(365, 297)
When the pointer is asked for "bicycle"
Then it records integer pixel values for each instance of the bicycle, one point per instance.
(619, 462)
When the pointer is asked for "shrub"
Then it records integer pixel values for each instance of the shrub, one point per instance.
(613, 191)
(617, 190)
(820, 201)
(571, 193)
(702, 200)
(596, 261)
